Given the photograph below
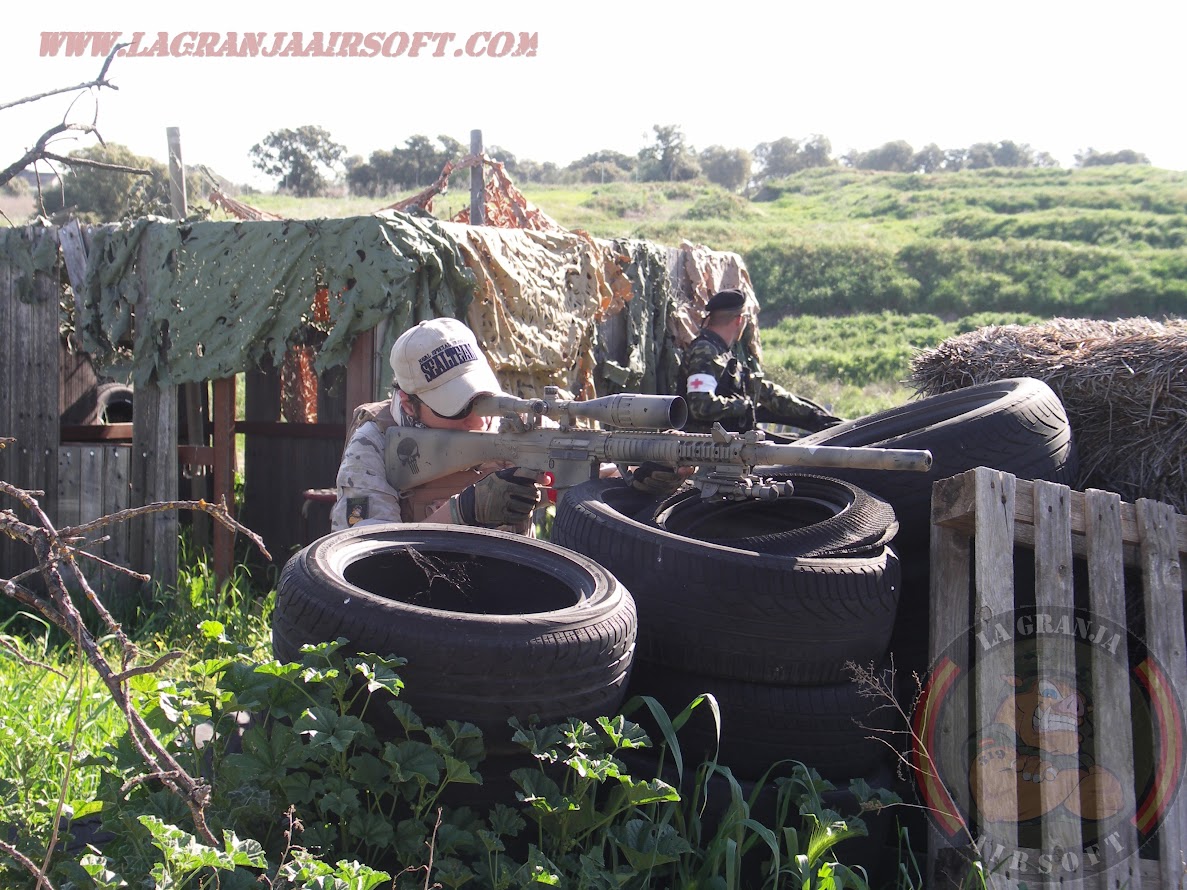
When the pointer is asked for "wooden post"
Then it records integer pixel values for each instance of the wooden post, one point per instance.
(153, 469)
(29, 382)
(195, 416)
(360, 373)
(176, 173)
(224, 474)
(477, 207)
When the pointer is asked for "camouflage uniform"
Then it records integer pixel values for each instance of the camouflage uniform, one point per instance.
(720, 388)
(364, 494)
(366, 497)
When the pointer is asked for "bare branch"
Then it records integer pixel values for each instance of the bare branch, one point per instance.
(100, 81)
(218, 511)
(16, 653)
(102, 165)
(27, 864)
(107, 564)
(38, 151)
(53, 548)
(149, 668)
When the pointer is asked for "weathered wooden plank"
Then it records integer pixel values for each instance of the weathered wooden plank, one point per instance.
(1161, 586)
(91, 505)
(956, 511)
(360, 371)
(12, 559)
(949, 623)
(69, 467)
(30, 378)
(74, 253)
(1112, 726)
(153, 466)
(1056, 655)
(224, 473)
(118, 494)
(994, 503)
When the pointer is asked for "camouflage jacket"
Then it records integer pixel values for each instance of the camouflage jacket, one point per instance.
(365, 496)
(720, 388)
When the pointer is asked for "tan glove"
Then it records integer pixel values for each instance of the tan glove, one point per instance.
(506, 497)
(655, 479)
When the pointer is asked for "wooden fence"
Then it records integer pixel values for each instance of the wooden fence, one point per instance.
(34, 375)
(1049, 740)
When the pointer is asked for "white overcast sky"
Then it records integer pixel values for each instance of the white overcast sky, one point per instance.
(1060, 76)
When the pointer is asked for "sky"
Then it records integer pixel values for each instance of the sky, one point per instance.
(1059, 76)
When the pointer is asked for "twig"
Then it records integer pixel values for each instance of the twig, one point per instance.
(27, 864)
(102, 165)
(218, 511)
(38, 150)
(100, 81)
(107, 564)
(125, 675)
(53, 547)
(25, 660)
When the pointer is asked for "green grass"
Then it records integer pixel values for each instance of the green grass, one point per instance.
(859, 364)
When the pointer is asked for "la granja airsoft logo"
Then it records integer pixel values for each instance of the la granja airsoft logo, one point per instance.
(1022, 766)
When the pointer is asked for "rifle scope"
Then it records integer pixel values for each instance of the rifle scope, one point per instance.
(628, 411)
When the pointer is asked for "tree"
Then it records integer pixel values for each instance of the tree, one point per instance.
(602, 166)
(785, 156)
(1008, 153)
(94, 192)
(979, 156)
(669, 157)
(894, 157)
(929, 159)
(1093, 158)
(817, 152)
(777, 159)
(298, 158)
(728, 167)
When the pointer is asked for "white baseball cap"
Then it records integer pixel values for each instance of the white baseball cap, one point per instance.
(440, 362)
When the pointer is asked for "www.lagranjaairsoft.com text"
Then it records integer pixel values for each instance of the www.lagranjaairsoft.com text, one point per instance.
(292, 44)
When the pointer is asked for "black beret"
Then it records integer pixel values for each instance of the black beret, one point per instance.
(726, 299)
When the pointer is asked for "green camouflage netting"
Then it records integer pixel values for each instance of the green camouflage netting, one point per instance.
(221, 295)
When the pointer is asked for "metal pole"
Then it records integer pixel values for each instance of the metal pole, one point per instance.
(477, 210)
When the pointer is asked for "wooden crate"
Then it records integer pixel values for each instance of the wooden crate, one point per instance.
(1079, 688)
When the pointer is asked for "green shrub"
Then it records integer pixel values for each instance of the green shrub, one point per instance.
(719, 205)
(828, 279)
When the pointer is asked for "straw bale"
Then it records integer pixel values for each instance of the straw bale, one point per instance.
(1123, 384)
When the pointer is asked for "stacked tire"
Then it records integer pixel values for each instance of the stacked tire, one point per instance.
(762, 604)
(493, 625)
(1017, 425)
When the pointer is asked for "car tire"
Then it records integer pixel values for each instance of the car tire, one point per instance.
(493, 625)
(1017, 425)
(733, 612)
(822, 517)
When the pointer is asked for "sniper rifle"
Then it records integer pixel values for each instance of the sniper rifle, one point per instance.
(638, 428)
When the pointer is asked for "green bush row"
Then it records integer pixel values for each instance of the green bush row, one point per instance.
(951, 277)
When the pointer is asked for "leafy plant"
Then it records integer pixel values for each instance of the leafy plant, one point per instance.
(364, 781)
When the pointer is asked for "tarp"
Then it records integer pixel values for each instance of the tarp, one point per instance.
(538, 300)
(187, 302)
(217, 296)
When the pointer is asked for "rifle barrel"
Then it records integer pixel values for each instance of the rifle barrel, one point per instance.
(829, 456)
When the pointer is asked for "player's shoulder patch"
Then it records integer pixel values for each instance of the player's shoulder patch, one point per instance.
(356, 510)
